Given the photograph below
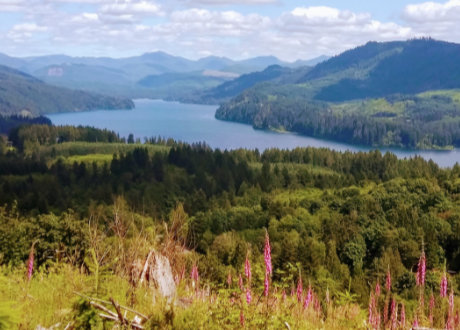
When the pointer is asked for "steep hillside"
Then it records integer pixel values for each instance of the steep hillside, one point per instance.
(234, 87)
(85, 77)
(24, 94)
(274, 74)
(379, 85)
(412, 67)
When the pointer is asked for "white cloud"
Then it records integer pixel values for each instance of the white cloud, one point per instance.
(131, 8)
(433, 11)
(230, 2)
(202, 22)
(28, 27)
(22, 32)
(83, 2)
(12, 5)
(438, 20)
(85, 18)
(117, 27)
(329, 30)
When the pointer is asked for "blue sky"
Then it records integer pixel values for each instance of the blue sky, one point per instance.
(233, 28)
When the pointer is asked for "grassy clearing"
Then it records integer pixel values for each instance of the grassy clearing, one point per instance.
(287, 196)
(85, 148)
(99, 159)
(371, 107)
(454, 94)
(295, 167)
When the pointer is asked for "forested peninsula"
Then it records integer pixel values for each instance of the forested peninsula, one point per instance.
(393, 94)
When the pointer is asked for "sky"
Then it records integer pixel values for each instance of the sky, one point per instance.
(238, 29)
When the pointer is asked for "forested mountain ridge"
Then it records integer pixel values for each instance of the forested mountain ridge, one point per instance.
(23, 94)
(411, 67)
(121, 76)
(381, 94)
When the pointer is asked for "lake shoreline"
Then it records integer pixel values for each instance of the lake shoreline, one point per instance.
(192, 123)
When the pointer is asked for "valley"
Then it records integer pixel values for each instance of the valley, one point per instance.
(254, 193)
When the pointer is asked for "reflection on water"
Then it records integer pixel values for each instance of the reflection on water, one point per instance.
(196, 123)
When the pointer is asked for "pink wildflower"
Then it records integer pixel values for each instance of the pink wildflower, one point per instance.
(30, 263)
(248, 295)
(388, 280)
(377, 289)
(292, 292)
(415, 324)
(299, 290)
(247, 269)
(377, 321)
(308, 298)
(450, 313)
(240, 283)
(421, 270)
(242, 319)
(266, 285)
(449, 324)
(385, 312)
(371, 309)
(457, 320)
(194, 275)
(443, 289)
(267, 255)
(394, 314)
(403, 317)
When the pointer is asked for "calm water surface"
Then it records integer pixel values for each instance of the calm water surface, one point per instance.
(196, 123)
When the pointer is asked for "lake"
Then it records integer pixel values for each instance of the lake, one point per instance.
(196, 123)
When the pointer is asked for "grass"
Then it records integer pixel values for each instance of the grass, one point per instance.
(84, 148)
(99, 159)
(454, 94)
(50, 298)
(370, 107)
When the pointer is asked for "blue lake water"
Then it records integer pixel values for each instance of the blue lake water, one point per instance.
(196, 123)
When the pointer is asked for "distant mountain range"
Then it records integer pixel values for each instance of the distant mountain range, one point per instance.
(223, 92)
(154, 75)
(22, 94)
(400, 93)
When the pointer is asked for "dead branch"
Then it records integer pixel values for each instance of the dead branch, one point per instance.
(117, 308)
(102, 308)
(108, 317)
(115, 319)
(145, 317)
